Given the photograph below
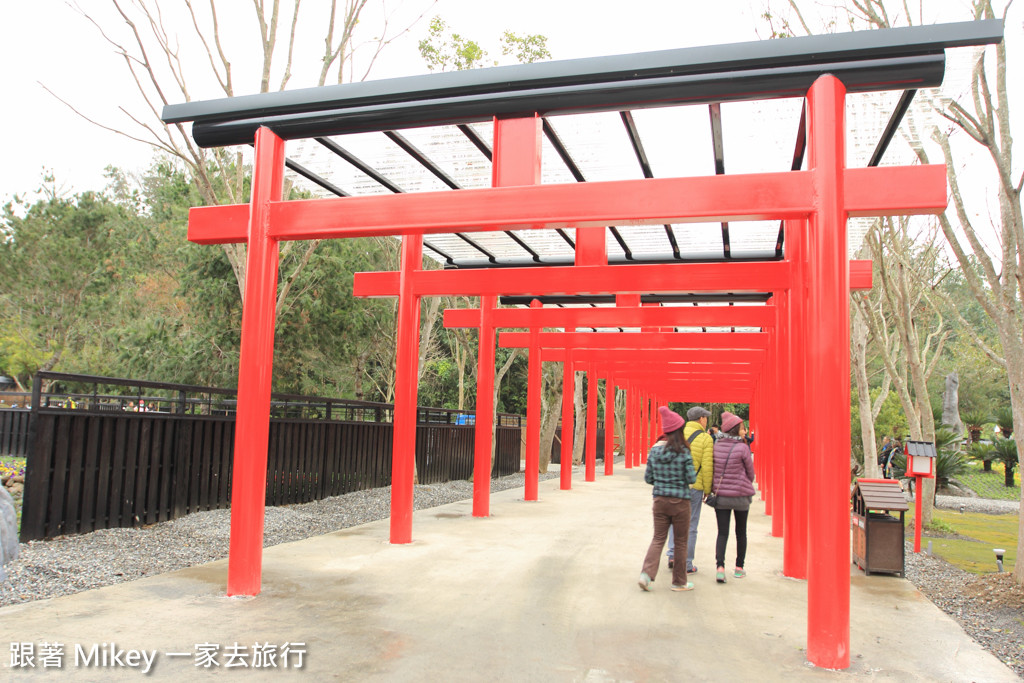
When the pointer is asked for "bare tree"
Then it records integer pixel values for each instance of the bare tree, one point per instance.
(994, 275)
(167, 67)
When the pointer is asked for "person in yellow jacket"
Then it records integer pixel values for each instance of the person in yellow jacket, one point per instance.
(702, 449)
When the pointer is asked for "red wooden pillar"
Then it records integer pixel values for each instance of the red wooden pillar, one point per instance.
(484, 409)
(609, 425)
(568, 408)
(644, 431)
(794, 552)
(255, 372)
(628, 426)
(515, 161)
(775, 420)
(533, 389)
(403, 455)
(591, 454)
(828, 342)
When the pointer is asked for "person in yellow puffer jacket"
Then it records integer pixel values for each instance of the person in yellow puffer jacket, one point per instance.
(702, 449)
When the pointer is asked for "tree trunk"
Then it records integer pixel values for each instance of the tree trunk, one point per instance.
(551, 404)
(859, 339)
(580, 431)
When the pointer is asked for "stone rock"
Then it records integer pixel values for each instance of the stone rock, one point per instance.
(14, 487)
(8, 531)
(951, 403)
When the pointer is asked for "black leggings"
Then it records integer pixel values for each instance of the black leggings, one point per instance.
(723, 536)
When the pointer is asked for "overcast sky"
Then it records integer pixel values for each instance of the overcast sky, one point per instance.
(46, 43)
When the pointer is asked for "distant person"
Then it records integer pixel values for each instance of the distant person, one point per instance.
(713, 431)
(889, 470)
(883, 455)
(670, 471)
(734, 489)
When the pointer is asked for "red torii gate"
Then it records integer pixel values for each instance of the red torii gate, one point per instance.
(537, 318)
(817, 200)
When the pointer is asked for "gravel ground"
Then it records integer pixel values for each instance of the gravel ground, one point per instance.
(70, 564)
(988, 607)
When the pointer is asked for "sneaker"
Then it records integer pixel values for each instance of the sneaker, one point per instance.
(644, 582)
(687, 587)
(692, 569)
(720, 577)
(671, 563)
(739, 573)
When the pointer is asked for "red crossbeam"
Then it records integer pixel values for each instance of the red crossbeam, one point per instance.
(641, 279)
(659, 356)
(638, 340)
(626, 316)
(879, 191)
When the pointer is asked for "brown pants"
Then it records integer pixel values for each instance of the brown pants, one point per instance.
(675, 513)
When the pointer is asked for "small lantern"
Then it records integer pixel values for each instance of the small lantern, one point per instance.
(920, 458)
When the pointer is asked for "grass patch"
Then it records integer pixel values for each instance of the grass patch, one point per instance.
(982, 533)
(990, 484)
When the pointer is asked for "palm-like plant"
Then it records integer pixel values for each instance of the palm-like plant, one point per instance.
(1004, 418)
(974, 420)
(1005, 450)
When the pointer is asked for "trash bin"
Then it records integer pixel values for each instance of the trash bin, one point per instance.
(878, 536)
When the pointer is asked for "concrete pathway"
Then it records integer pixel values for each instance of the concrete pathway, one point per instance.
(542, 591)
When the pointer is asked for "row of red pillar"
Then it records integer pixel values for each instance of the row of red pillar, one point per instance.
(800, 406)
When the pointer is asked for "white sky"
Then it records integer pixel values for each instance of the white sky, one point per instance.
(47, 43)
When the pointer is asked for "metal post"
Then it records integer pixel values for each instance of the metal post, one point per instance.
(255, 372)
(403, 455)
(828, 565)
(484, 409)
(533, 389)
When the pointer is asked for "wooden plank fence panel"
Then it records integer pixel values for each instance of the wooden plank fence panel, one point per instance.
(151, 506)
(103, 468)
(57, 520)
(96, 469)
(225, 456)
(90, 474)
(38, 480)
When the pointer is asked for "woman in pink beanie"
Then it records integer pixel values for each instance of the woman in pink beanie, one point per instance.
(733, 484)
(670, 471)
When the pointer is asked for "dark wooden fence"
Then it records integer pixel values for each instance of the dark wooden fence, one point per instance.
(556, 443)
(93, 464)
(14, 431)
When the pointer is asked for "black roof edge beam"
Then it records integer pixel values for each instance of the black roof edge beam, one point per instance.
(449, 261)
(890, 128)
(798, 161)
(886, 59)
(645, 168)
(574, 169)
(469, 264)
(314, 178)
(360, 164)
(439, 173)
(477, 141)
(718, 147)
(422, 159)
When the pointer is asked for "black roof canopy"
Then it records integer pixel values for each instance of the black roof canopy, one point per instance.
(332, 119)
